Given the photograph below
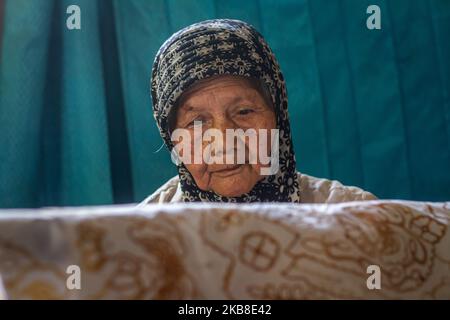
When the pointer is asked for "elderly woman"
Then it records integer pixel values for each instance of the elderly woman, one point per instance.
(221, 74)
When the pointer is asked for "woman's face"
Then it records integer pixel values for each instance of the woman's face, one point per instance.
(224, 103)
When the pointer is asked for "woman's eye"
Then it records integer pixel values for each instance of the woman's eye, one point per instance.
(245, 111)
(195, 123)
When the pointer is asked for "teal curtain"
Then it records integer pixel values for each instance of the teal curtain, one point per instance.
(368, 107)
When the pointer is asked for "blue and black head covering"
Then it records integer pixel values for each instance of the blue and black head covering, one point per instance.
(224, 47)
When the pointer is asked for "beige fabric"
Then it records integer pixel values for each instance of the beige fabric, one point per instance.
(229, 251)
(312, 190)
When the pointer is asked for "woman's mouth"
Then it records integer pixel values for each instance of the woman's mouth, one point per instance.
(227, 170)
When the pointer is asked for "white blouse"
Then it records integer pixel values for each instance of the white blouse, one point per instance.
(312, 190)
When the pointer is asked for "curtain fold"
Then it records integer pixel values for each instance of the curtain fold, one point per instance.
(370, 108)
(2, 8)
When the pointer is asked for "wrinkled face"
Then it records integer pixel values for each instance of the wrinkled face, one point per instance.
(226, 102)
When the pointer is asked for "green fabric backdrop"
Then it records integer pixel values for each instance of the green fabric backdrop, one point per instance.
(368, 107)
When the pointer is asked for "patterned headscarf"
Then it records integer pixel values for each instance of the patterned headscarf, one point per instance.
(224, 47)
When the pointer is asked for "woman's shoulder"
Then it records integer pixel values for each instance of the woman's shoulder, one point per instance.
(312, 190)
(168, 192)
(319, 190)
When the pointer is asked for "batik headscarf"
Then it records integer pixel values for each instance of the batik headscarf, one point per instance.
(224, 47)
